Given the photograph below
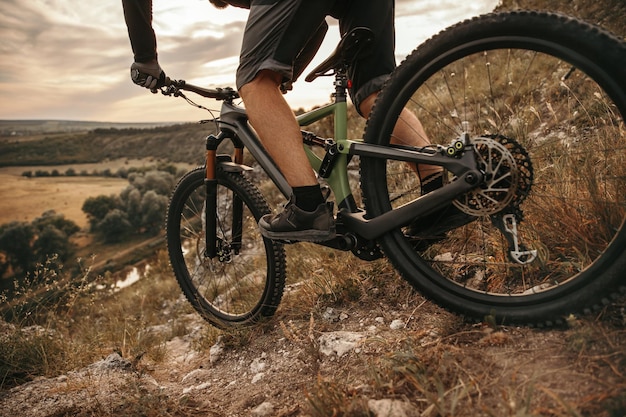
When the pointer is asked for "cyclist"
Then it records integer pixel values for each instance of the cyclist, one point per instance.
(276, 35)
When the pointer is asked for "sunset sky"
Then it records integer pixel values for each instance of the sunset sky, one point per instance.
(66, 59)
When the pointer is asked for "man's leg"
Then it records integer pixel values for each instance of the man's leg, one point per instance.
(275, 34)
(408, 131)
(276, 125)
(307, 216)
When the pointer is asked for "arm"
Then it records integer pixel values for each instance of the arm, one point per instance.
(145, 71)
(138, 17)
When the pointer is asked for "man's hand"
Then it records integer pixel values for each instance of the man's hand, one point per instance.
(148, 75)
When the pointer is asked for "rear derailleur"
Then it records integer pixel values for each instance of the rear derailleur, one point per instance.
(507, 224)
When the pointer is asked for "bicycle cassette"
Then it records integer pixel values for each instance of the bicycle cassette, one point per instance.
(508, 176)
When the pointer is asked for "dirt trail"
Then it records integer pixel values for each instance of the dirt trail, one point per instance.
(370, 356)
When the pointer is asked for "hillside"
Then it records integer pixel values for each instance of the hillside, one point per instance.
(175, 143)
(18, 128)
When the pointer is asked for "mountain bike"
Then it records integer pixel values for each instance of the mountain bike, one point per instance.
(525, 113)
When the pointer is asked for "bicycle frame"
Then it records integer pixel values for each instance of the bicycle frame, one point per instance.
(234, 124)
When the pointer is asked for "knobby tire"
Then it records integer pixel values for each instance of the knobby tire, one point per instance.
(243, 283)
(554, 89)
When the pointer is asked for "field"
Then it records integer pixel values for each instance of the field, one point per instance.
(24, 199)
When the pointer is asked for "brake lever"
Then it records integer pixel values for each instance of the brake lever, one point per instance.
(171, 90)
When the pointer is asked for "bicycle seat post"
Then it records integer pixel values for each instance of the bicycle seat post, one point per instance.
(341, 85)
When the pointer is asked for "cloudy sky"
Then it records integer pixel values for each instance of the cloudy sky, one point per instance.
(67, 59)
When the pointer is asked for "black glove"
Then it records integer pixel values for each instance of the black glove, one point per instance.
(148, 75)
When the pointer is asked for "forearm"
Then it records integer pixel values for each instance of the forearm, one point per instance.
(138, 17)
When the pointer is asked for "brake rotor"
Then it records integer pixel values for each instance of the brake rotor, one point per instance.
(508, 177)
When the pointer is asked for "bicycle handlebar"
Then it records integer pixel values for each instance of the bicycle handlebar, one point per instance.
(172, 87)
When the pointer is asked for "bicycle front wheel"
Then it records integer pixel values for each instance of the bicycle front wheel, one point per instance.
(542, 97)
(245, 279)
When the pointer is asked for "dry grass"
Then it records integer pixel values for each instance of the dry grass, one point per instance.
(437, 365)
(58, 324)
(63, 195)
(574, 140)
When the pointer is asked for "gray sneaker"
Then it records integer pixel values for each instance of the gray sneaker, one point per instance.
(295, 224)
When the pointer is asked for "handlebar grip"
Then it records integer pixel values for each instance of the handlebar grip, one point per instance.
(140, 78)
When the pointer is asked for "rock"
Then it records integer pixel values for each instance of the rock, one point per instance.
(265, 409)
(216, 350)
(111, 363)
(197, 376)
(339, 343)
(397, 324)
(257, 366)
(330, 315)
(392, 408)
(180, 351)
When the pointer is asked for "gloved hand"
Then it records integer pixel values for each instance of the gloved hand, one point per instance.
(148, 75)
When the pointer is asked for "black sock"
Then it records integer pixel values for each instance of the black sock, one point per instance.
(308, 198)
(432, 182)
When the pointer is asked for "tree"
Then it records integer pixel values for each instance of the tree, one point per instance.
(140, 207)
(52, 241)
(153, 207)
(131, 200)
(58, 221)
(96, 208)
(115, 226)
(16, 239)
(24, 245)
(160, 182)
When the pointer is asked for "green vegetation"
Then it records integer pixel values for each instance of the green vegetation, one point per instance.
(26, 247)
(137, 210)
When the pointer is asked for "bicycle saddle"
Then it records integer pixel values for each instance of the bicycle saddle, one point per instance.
(353, 45)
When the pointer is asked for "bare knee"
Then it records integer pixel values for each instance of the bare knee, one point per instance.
(264, 80)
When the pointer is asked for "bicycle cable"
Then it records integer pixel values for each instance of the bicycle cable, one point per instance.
(176, 92)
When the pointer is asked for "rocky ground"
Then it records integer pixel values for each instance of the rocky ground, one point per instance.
(369, 357)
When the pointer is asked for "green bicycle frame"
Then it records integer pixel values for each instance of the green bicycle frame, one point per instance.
(338, 178)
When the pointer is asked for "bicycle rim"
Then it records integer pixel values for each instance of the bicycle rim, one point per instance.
(245, 280)
(533, 84)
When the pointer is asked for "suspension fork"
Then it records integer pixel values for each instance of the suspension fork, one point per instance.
(210, 203)
(218, 246)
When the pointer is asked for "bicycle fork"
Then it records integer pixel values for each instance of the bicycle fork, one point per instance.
(210, 202)
(217, 246)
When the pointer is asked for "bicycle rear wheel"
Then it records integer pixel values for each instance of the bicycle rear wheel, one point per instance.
(549, 93)
(244, 282)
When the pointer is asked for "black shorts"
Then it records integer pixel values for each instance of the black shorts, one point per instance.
(278, 30)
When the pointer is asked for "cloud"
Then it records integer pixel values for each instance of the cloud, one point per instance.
(68, 59)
